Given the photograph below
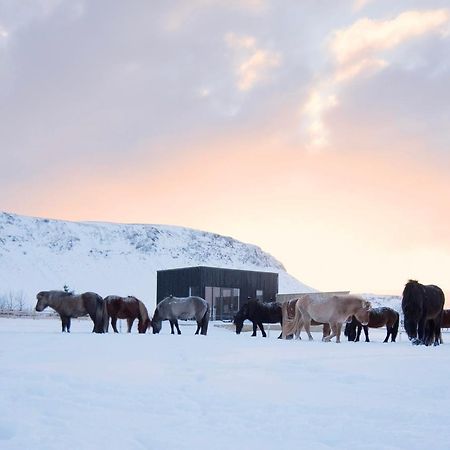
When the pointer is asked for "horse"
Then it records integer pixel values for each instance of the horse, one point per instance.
(69, 305)
(288, 311)
(258, 312)
(129, 308)
(183, 308)
(332, 309)
(378, 317)
(422, 307)
(445, 318)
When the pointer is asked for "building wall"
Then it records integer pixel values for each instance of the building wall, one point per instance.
(177, 282)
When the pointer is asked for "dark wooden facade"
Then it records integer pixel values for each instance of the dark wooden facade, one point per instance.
(225, 289)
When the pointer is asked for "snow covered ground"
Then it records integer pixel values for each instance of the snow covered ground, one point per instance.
(222, 391)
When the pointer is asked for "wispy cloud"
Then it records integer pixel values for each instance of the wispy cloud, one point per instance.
(252, 64)
(360, 50)
(3, 32)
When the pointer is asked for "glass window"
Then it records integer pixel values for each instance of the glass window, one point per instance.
(224, 302)
(259, 294)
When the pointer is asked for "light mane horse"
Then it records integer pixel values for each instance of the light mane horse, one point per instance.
(183, 308)
(334, 310)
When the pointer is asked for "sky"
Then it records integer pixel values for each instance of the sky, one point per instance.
(318, 130)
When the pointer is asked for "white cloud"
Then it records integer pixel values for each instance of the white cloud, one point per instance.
(3, 33)
(368, 36)
(359, 50)
(251, 63)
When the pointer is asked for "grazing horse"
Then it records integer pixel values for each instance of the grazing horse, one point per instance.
(258, 313)
(378, 317)
(445, 318)
(69, 305)
(288, 309)
(334, 309)
(129, 308)
(183, 308)
(422, 309)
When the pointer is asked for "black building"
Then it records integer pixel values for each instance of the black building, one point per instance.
(226, 290)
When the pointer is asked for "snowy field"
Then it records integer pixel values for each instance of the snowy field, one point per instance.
(222, 391)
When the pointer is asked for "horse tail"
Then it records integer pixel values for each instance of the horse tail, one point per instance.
(101, 315)
(143, 316)
(205, 321)
(291, 326)
(395, 328)
(298, 319)
(285, 322)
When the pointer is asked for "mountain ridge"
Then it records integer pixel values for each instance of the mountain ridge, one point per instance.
(38, 253)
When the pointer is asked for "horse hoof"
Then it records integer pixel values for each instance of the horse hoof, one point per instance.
(416, 342)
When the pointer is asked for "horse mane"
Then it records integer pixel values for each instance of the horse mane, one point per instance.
(62, 293)
(142, 310)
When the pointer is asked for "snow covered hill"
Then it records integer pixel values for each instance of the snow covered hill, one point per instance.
(40, 254)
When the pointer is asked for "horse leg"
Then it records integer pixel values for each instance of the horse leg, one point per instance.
(366, 332)
(68, 324)
(171, 327)
(260, 325)
(114, 324)
(338, 332)
(177, 327)
(325, 331)
(254, 329)
(199, 325)
(333, 332)
(63, 323)
(389, 333)
(358, 332)
(307, 325)
(421, 331)
(130, 322)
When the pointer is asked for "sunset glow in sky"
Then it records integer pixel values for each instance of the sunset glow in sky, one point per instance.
(318, 130)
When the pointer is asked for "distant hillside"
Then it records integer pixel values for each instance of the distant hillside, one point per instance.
(39, 254)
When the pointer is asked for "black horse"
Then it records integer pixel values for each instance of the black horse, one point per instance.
(422, 309)
(378, 317)
(258, 313)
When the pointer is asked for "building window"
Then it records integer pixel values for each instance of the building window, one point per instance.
(223, 302)
(259, 294)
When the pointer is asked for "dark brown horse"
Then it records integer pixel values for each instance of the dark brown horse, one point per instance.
(289, 312)
(258, 312)
(129, 308)
(445, 318)
(422, 307)
(378, 317)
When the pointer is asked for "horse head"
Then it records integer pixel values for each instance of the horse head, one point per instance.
(144, 326)
(42, 301)
(412, 306)
(156, 322)
(239, 318)
(362, 315)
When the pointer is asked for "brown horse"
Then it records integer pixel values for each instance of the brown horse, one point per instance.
(445, 318)
(378, 317)
(334, 309)
(129, 308)
(288, 309)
